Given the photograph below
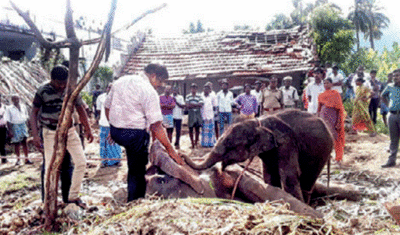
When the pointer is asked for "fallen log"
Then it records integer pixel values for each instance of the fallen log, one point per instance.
(335, 191)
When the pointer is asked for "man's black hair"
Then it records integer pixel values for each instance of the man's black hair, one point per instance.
(373, 71)
(59, 73)
(319, 70)
(65, 63)
(157, 69)
(360, 80)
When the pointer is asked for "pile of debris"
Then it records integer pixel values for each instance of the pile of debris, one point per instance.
(211, 216)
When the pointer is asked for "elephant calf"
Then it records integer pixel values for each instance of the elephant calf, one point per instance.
(293, 145)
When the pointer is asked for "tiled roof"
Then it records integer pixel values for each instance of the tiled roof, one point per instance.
(235, 54)
(22, 78)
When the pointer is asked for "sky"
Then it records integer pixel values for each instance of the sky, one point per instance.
(214, 14)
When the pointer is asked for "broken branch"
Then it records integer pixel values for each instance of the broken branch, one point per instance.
(97, 40)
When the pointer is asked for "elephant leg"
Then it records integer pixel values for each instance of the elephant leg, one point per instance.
(289, 171)
(270, 168)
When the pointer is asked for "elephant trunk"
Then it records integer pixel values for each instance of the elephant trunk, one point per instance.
(210, 160)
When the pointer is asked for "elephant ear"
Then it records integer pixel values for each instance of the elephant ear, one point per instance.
(239, 134)
(264, 141)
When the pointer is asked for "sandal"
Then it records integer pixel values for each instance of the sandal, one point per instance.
(79, 203)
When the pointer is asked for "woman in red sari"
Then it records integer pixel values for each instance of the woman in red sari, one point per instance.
(331, 109)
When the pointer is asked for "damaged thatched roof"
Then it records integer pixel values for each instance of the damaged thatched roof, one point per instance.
(21, 78)
(226, 54)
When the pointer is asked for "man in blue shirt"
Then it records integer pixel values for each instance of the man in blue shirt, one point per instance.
(391, 97)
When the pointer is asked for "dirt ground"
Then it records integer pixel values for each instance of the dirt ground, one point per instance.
(20, 189)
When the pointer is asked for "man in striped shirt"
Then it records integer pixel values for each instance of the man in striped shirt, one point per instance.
(47, 105)
(194, 103)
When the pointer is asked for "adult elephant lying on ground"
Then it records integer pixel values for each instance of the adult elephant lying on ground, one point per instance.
(166, 178)
(293, 145)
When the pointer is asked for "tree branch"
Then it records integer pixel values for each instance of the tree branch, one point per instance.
(97, 40)
(25, 16)
(69, 21)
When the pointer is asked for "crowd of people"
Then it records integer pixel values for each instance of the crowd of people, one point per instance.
(326, 90)
(130, 114)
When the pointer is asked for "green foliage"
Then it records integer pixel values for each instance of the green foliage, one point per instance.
(332, 33)
(367, 18)
(103, 76)
(88, 98)
(380, 126)
(50, 58)
(338, 48)
(348, 106)
(195, 29)
(384, 62)
(242, 27)
(355, 59)
(280, 21)
(199, 27)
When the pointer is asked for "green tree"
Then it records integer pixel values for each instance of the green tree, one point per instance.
(280, 21)
(359, 18)
(198, 28)
(384, 62)
(376, 21)
(241, 27)
(103, 76)
(332, 33)
(300, 14)
(192, 29)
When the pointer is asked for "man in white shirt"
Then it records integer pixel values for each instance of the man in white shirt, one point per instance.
(132, 107)
(290, 95)
(207, 114)
(225, 102)
(216, 114)
(313, 91)
(177, 114)
(17, 117)
(257, 92)
(337, 79)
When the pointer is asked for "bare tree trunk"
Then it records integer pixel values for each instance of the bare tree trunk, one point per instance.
(356, 22)
(65, 118)
(73, 90)
(371, 37)
(358, 37)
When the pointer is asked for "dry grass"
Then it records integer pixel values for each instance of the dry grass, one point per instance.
(211, 216)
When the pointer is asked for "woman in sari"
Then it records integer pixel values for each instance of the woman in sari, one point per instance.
(330, 108)
(361, 118)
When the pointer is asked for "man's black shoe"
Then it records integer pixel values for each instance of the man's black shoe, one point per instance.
(389, 164)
